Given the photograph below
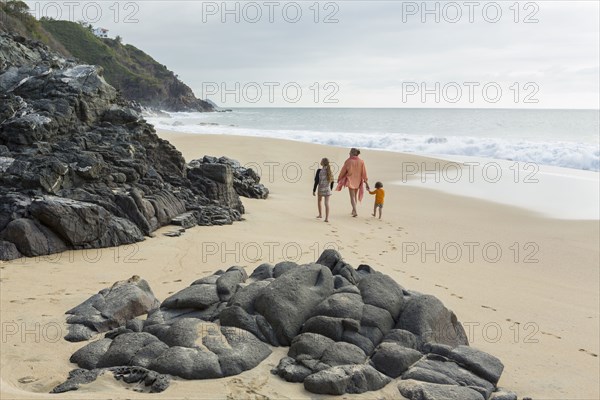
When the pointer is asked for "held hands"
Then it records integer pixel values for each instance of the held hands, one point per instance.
(367, 185)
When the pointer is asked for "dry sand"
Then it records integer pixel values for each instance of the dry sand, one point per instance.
(540, 318)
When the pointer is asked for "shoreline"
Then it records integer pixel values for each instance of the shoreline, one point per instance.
(527, 186)
(538, 138)
(542, 352)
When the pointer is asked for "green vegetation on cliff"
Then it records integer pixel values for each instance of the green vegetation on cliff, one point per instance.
(15, 18)
(137, 75)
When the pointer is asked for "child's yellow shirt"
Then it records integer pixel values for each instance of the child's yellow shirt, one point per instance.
(379, 195)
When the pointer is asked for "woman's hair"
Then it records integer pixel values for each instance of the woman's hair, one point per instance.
(378, 185)
(354, 151)
(325, 164)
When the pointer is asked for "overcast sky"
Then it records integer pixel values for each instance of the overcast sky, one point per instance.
(365, 53)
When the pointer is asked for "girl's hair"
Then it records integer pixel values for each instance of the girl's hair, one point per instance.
(325, 164)
(354, 151)
(378, 185)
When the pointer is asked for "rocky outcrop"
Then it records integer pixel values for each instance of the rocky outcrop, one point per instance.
(79, 168)
(344, 337)
(246, 181)
(153, 382)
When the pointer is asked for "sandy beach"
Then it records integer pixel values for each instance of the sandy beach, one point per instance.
(525, 287)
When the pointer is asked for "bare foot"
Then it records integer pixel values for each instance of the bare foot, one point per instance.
(373, 214)
(326, 220)
(318, 216)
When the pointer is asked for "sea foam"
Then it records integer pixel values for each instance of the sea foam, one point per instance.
(559, 153)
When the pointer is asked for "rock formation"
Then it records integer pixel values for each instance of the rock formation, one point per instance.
(348, 331)
(79, 168)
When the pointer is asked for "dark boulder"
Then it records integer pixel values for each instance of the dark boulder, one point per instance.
(291, 371)
(227, 284)
(430, 321)
(263, 271)
(480, 363)
(152, 382)
(8, 251)
(246, 181)
(382, 291)
(110, 308)
(393, 360)
(453, 371)
(283, 267)
(245, 296)
(289, 300)
(414, 390)
(32, 238)
(195, 296)
(214, 181)
(503, 395)
(341, 305)
(83, 225)
(346, 379)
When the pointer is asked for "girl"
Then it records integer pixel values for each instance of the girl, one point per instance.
(324, 182)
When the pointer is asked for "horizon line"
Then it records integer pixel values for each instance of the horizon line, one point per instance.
(419, 108)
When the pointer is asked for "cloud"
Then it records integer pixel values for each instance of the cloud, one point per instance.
(374, 46)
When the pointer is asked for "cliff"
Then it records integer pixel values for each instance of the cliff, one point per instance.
(79, 168)
(136, 75)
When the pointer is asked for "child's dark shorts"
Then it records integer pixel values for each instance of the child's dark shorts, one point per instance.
(379, 205)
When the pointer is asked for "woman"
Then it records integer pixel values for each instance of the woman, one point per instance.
(352, 175)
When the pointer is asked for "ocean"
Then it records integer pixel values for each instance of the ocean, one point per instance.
(560, 138)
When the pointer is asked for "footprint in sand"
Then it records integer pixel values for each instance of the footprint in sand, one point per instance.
(588, 352)
(550, 334)
(27, 379)
(177, 280)
(399, 270)
(237, 389)
(455, 295)
(443, 287)
(489, 308)
(414, 277)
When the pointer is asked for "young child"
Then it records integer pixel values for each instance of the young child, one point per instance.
(379, 196)
(324, 182)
